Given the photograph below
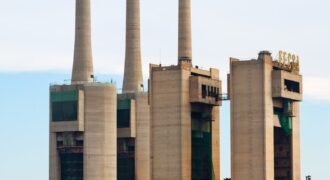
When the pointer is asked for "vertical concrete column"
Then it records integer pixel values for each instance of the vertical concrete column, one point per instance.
(216, 142)
(83, 62)
(100, 136)
(143, 138)
(54, 167)
(185, 53)
(296, 169)
(133, 80)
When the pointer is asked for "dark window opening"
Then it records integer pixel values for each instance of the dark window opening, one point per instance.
(79, 143)
(203, 91)
(282, 155)
(59, 143)
(201, 143)
(292, 86)
(201, 150)
(123, 118)
(126, 159)
(65, 111)
(201, 116)
(69, 140)
(71, 166)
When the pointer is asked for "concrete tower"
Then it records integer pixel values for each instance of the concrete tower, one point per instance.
(83, 133)
(184, 104)
(82, 70)
(265, 133)
(133, 80)
(133, 120)
(185, 53)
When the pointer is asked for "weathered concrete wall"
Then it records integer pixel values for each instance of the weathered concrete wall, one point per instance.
(280, 90)
(296, 142)
(253, 85)
(143, 138)
(216, 142)
(252, 147)
(171, 125)
(100, 137)
(54, 167)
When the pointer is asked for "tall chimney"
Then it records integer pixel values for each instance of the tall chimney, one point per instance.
(82, 70)
(133, 80)
(185, 31)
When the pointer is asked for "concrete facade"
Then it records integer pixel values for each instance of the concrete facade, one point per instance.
(171, 114)
(138, 131)
(134, 154)
(92, 134)
(143, 138)
(100, 149)
(256, 90)
(83, 125)
(185, 115)
(173, 130)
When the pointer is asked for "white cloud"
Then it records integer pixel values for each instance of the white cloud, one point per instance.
(317, 88)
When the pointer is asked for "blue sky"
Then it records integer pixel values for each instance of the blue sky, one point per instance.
(36, 49)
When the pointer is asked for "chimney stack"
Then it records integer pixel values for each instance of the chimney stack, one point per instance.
(185, 53)
(82, 70)
(133, 80)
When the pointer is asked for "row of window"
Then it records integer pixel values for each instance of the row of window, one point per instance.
(291, 86)
(68, 111)
(210, 91)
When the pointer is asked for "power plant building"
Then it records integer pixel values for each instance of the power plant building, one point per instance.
(83, 133)
(185, 122)
(184, 103)
(171, 131)
(133, 110)
(265, 133)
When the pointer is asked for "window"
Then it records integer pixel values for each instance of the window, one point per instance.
(203, 91)
(123, 118)
(210, 91)
(72, 166)
(68, 139)
(126, 159)
(291, 86)
(65, 111)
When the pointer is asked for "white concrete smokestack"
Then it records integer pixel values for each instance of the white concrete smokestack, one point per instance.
(133, 80)
(82, 70)
(185, 53)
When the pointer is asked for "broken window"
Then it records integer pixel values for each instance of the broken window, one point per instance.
(291, 86)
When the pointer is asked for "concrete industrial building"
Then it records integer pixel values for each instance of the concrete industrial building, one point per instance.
(133, 110)
(172, 132)
(265, 133)
(83, 133)
(184, 104)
